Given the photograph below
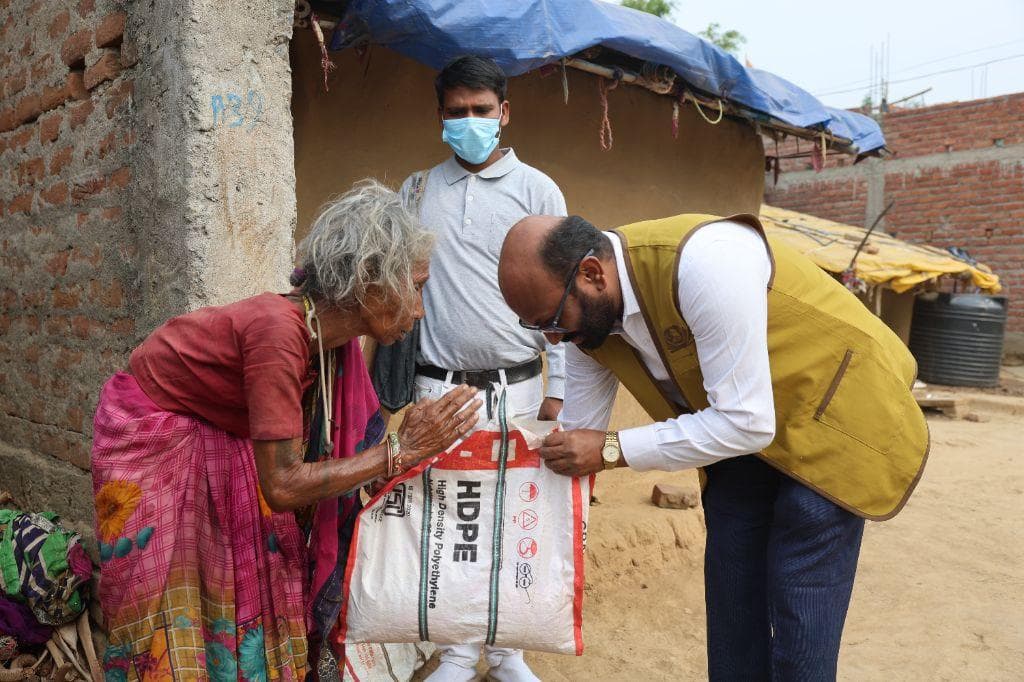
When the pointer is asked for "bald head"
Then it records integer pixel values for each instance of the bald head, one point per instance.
(546, 261)
(521, 267)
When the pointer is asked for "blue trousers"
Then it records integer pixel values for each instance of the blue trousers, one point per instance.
(778, 573)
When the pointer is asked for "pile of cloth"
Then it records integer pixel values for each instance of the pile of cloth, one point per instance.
(44, 590)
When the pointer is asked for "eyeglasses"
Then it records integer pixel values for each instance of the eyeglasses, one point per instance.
(552, 327)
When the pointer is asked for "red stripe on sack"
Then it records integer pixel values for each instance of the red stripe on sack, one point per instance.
(354, 544)
(577, 563)
(480, 452)
(351, 670)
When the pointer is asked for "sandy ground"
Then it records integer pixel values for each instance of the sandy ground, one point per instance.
(939, 592)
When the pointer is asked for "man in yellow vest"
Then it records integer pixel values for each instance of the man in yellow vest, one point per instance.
(758, 368)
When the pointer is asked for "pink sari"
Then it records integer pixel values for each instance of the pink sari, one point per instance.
(200, 580)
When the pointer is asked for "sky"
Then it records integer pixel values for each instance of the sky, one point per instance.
(825, 48)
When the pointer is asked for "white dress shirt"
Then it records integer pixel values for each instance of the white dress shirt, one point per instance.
(468, 325)
(723, 280)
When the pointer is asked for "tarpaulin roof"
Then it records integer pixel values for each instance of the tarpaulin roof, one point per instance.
(522, 35)
(885, 260)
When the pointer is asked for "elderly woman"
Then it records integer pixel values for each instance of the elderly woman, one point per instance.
(225, 459)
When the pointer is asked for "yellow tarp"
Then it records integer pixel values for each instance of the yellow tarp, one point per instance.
(884, 260)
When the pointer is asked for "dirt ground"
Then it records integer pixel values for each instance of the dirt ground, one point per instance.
(939, 592)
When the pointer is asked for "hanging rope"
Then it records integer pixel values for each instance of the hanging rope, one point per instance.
(816, 163)
(326, 65)
(675, 119)
(721, 111)
(565, 83)
(777, 162)
(606, 124)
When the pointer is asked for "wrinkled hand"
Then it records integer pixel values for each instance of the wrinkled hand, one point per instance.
(431, 426)
(574, 453)
(549, 410)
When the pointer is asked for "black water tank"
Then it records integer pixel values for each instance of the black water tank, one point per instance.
(958, 338)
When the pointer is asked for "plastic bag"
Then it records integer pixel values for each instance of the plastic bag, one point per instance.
(482, 544)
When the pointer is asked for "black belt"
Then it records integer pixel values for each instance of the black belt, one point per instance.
(483, 378)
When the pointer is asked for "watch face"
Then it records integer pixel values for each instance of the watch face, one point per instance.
(610, 453)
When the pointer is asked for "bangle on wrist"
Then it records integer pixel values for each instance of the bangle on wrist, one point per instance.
(389, 467)
(395, 455)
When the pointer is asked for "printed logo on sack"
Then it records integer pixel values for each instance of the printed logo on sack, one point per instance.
(467, 508)
(524, 575)
(527, 548)
(482, 450)
(528, 491)
(526, 519)
(395, 501)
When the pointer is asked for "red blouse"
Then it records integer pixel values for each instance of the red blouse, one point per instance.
(242, 367)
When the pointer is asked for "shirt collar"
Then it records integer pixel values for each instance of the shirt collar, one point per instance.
(453, 170)
(630, 304)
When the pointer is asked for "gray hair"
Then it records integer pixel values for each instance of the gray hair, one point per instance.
(364, 238)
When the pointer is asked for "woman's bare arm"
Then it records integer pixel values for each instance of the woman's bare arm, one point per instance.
(429, 427)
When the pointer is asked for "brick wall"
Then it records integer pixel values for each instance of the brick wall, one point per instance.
(956, 173)
(67, 252)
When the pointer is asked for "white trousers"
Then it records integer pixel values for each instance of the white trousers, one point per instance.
(522, 399)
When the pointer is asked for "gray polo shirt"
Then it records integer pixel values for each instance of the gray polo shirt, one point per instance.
(468, 325)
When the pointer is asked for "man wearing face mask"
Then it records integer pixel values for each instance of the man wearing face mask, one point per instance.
(469, 334)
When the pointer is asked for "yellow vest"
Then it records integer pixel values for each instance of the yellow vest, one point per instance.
(847, 425)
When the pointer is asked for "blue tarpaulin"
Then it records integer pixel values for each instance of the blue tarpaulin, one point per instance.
(522, 35)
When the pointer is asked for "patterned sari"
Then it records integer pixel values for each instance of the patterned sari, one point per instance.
(200, 579)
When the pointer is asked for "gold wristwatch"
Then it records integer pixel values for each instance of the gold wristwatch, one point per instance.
(611, 453)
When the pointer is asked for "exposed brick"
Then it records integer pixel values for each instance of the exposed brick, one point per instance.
(113, 213)
(57, 264)
(20, 139)
(67, 447)
(86, 7)
(15, 82)
(20, 204)
(80, 112)
(950, 199)
(55, 194)
(42, 67)
(75, 84)
(75, 47)
(110, 30)
(73, 418)
(53, 97)
(120, 178)
(59, 160)
(31, 170)
(65, 299)
(7, 120)
(83, 189)
(674, 497)
(59, 24)
(108, 294)
(107, 144)
(106, 68)
(66, 359)
(129, 54)
(28, 109)
(124, 326)
(49, 127)
(118, 95)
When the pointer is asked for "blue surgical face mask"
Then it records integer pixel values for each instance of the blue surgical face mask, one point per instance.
(472, 139)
